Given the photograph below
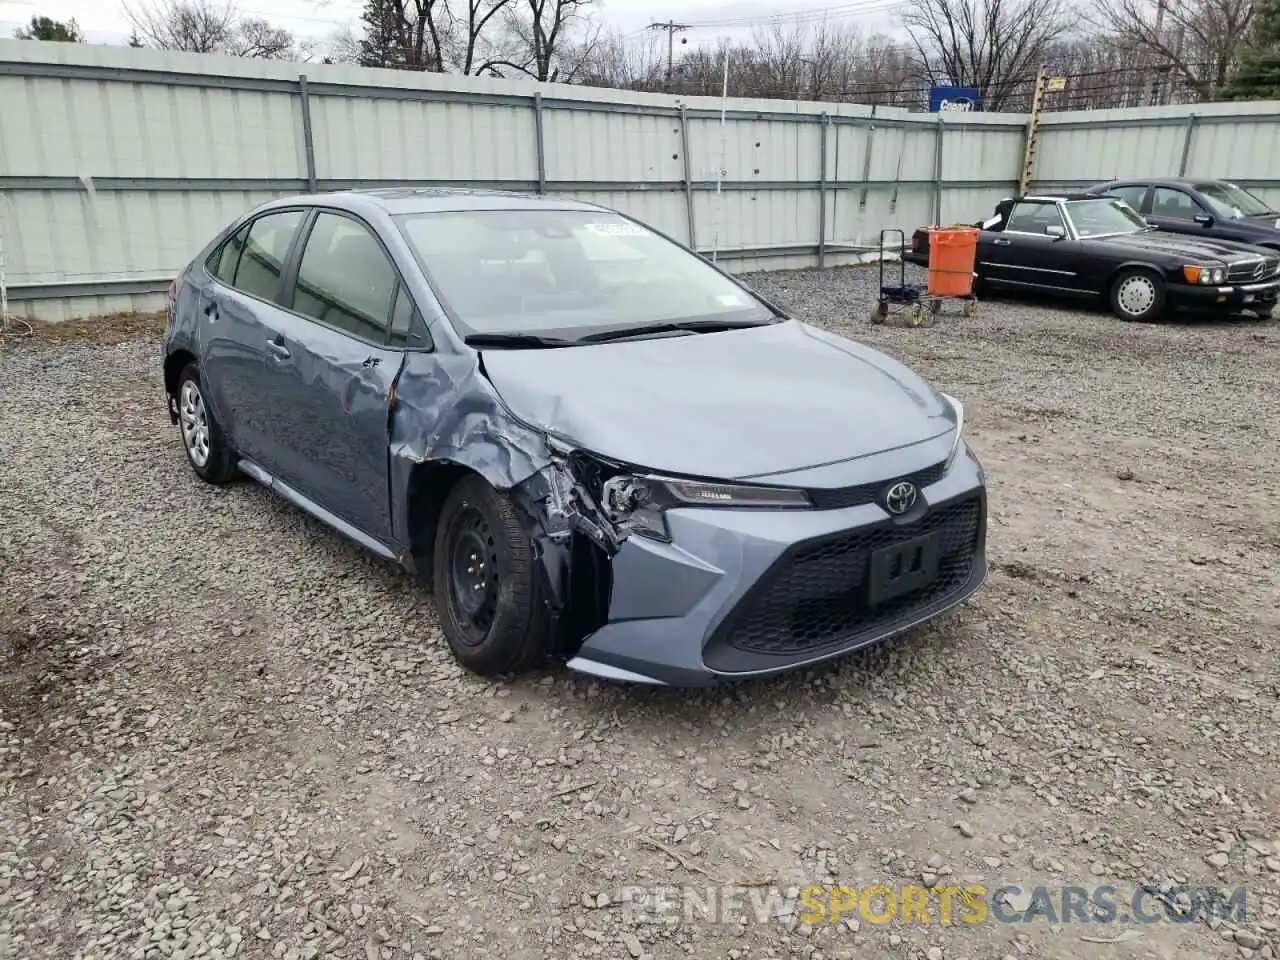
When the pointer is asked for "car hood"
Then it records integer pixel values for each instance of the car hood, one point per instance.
(1267, 222)
(1191, 248)
(732, 405)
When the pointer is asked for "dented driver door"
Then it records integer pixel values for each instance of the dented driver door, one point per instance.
(333, 367)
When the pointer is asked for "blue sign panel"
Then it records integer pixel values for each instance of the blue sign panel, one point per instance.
(948, 99)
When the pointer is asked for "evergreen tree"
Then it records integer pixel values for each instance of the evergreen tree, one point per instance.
(46, 28)
(381, 45)
(1259, 75)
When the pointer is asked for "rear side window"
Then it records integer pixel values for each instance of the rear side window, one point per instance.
(262, 260)
(226, 258)
(1132, 194)
(345, 279)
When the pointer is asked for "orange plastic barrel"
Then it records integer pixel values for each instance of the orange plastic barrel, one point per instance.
(952, 251)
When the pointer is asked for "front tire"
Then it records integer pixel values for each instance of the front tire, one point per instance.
(1138, 295)
(487, 583)
(207, 449)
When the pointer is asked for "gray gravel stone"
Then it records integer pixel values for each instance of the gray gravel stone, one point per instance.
(226, 732)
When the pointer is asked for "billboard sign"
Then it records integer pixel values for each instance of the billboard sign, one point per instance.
(948, 99)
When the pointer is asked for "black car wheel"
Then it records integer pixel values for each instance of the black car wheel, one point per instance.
(487, 583)
(207, 449)
(1138, 294)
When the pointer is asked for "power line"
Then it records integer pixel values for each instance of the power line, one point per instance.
(836, 12)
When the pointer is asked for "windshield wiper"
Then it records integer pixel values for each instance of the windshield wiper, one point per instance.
(684, 326)
(516, 341)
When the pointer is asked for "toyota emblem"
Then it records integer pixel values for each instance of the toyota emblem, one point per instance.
(900, 498)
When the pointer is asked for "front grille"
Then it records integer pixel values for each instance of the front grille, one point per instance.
(814, 597)
(870, 492)
(1249, 272)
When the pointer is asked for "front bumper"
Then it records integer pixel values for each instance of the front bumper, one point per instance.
(750, 593)
(1260, 297)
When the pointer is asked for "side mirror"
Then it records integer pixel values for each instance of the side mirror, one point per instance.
(1204, 220)
(1056, 230)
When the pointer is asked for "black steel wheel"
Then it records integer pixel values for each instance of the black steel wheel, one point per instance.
(474, 576)
(487, 582)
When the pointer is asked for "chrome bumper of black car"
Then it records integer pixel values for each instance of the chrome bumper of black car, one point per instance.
(1244, 296)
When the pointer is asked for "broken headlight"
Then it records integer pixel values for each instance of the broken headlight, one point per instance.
(641, 502)
(958, 409)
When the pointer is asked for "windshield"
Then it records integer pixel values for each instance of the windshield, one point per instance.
(565, 273)
(1232, 202)
(1097, 218)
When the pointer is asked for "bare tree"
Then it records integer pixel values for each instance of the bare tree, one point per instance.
(255, 37)
(1196, 41)
(988, 44)
(477, 50)
(544, 31)
(206, 26)
(624, 63)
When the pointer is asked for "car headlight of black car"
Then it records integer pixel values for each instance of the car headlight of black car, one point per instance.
(1194, 273)
(643, 500)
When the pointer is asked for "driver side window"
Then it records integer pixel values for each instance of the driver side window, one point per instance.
(1034, 218)
(1174, 203)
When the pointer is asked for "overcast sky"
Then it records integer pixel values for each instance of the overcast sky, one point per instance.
(104, 21)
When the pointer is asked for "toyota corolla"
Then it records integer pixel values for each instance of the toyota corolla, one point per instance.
(589, 442)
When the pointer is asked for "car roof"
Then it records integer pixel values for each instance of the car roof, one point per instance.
(409, 199)
(1160, 181)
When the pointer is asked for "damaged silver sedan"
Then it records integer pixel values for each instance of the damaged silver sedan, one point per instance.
(591, 443)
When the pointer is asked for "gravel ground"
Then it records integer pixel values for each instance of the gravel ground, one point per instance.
(224, 731)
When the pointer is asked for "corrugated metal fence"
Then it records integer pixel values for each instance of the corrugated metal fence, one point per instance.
(116, 165)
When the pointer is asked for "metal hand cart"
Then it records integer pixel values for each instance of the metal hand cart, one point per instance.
(908, 300)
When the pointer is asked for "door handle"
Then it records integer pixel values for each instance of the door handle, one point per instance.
(1002, 243)
(211, 311)
(276, 346)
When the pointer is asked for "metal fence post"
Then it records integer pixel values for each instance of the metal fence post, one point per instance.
(1186, 144)
(937, 174)
(541, 142)
(822, 193)
(688, 176)
(866, 160)
(308, 140)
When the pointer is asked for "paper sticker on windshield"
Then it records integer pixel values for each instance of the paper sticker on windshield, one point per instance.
(729, 300)
(617, 229)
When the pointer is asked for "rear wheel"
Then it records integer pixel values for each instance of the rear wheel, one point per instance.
(207, 449)
(487, 584)
(1138, 294)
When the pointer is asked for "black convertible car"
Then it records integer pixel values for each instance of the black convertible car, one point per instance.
(1089, 246)
(1203, 208)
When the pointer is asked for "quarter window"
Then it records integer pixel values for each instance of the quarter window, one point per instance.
(262, 260)
(345, 279)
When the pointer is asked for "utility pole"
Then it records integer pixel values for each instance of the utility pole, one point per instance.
(672, 28)
(1157, 80)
